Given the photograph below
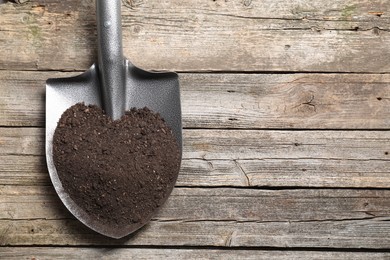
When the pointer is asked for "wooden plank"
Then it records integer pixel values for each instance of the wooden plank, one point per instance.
(242, 144)
(315, 101)
(31, 170)
(22, 141)
(317, 173)
(345, 36)
(22, 97)
(227, 204)
(367, 234)
(61, 253)
(238, 158)
(213, 217)
(23, 170)
(254, 144)
(286, 101)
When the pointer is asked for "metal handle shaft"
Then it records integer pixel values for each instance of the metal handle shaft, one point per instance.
(111, 62)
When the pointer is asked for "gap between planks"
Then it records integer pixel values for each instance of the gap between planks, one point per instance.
(48, 252)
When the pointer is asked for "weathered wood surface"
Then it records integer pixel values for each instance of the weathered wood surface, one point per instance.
(347, 234)
(271, 161)
(242, 144)
(213, 217)
(253, 35)
(222, 216)
(316, 101)
(31, 170)
(228, 204)
(59, 253)
(238, 158)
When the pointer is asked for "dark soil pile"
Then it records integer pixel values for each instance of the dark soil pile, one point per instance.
(119, 171)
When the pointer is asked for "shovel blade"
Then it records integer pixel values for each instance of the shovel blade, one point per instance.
(158, 91)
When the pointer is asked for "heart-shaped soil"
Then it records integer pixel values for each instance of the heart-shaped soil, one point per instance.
(119, 172)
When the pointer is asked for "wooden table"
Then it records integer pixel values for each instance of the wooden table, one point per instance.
(286, 113)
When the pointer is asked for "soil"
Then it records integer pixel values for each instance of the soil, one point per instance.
(118, 171)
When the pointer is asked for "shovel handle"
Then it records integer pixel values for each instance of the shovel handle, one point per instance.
(111, 62)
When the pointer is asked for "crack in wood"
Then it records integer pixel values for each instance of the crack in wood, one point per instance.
(229, 238)
(308, 103)
(243, 174)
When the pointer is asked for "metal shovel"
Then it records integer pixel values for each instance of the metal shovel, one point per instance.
(115, 85)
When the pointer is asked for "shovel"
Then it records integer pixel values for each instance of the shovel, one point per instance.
(115, 85)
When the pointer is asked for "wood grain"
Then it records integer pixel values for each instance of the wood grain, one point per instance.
(286, 152)
(31, 170)
(60, 253)
(342, 36)
(213, 217)
(228, 204)
(304, 101)
(352, 234)
(238, 158)
(254, 144)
